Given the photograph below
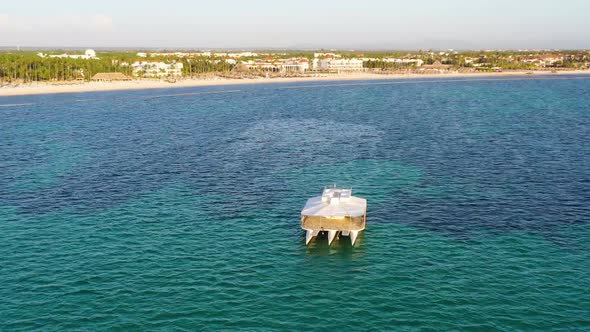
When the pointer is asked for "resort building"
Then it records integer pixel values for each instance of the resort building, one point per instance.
(416, 62)
(469, 61)
(315, 64)
(544, 60)
(326, 55)
(176, 54)
(156, 69)
(263, 65)
(242, 54)
(296, 65)
(340, 64)
(89, 54)
(277, 65)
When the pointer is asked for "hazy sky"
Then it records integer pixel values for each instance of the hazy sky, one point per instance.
(393, 24)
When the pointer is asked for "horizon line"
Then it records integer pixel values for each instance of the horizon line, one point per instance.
(331, 49)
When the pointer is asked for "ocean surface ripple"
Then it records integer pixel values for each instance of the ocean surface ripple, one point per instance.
(159, 210)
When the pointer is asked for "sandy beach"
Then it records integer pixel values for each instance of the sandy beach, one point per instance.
(73, 87)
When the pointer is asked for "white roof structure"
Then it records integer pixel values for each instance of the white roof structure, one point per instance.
(335, 203)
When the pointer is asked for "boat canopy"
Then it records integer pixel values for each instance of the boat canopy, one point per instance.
(335, 203)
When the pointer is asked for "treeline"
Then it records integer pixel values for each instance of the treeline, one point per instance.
(29, 67)
(199, 65)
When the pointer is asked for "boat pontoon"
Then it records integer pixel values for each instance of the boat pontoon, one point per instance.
(336, 211)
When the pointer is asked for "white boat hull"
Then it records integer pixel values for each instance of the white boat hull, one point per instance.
(332, 234)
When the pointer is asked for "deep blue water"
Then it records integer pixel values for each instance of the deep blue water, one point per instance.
(179, 209)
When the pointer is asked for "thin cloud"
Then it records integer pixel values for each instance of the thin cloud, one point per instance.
(4, 20)
(103, 22)
(67, 29)
(97, 23)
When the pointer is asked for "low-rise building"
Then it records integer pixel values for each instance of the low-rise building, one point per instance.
(340, 64)
(89, 54)
(544, 60)
(262, 65)
(157, 69)
(295, 65)
(326, 55)
(242, 54)
(416, 62)
(469, 61)
(277, 65)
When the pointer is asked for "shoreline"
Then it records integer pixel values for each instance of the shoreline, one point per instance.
(39, 88)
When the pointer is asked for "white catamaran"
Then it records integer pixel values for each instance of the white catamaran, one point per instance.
(335, 211)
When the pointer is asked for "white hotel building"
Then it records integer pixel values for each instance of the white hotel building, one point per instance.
(339, 64)
(88, 55)
(156, 69)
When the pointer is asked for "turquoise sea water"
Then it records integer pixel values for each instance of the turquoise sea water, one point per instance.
(179, 209)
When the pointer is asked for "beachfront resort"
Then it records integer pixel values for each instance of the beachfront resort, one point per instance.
(22, 66)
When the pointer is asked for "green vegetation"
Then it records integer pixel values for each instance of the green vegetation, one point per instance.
(196, 66)
(29, 67)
